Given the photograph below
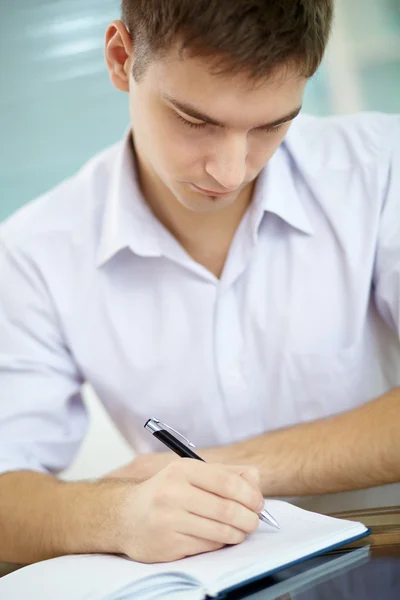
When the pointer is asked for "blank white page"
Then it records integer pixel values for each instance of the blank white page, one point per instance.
(302, 533)
(80, 577)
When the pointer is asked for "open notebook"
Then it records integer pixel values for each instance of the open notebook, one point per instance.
(103, 577)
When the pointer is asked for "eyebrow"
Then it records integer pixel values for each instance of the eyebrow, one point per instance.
(191, 111)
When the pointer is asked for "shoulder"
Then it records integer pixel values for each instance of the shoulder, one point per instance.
(343, 142)
(69, 212)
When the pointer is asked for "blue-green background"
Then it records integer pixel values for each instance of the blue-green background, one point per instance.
(58, 108)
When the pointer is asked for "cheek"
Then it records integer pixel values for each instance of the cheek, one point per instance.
(179, 151)
(261, 150)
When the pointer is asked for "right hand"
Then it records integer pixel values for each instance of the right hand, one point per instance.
(187, 508)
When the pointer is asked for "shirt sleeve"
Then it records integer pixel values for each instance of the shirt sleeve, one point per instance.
(42, 416)
(387, 262)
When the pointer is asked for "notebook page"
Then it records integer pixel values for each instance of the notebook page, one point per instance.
(90, 576)
(94, 576)
(160, 587)
(302, 533)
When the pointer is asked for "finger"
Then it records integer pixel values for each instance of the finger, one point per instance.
(253, 476)
(221, 510)
(209, 530)
(224, 482)
(192, 545)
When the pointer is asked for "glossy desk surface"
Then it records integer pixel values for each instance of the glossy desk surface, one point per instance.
(376, 578)
(385, 526)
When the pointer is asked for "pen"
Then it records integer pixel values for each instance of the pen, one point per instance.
(165, 434)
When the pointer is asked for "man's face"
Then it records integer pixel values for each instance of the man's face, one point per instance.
(196, 130)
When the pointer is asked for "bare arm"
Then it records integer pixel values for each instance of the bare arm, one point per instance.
(187, 508)
(42, 517)
(352, 450)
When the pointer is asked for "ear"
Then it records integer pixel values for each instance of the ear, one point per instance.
(118, 53)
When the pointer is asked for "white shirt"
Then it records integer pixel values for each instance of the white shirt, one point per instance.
(303, 323)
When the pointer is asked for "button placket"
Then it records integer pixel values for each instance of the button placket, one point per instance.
(230, 361)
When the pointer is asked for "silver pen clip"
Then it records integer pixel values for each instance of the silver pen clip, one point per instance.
(154, 425)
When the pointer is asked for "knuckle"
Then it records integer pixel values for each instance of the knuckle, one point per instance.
(253, 523)
(237, 537)
(215, 546)
(174, 468)
(174, 472)
(230, 535)
(255, 500)
(226, 511)
(223, 533)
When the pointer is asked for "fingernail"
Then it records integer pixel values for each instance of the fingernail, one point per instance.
(260, 507)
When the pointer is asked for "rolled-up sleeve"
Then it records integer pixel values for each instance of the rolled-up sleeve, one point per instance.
(387, 264)
(42, 416)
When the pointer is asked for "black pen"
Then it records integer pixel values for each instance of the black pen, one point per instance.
(165, 434)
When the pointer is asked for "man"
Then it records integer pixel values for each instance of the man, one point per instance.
(235, 279)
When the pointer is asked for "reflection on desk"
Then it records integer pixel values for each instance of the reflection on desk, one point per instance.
(385, 526)
(377, 579)
(302, 576)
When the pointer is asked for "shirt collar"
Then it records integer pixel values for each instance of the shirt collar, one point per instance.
(128, 221)
(275, 192)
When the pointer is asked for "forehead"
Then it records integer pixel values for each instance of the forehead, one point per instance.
(192, 80)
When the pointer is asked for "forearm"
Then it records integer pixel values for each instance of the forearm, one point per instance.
(42, 517)
(353, 450)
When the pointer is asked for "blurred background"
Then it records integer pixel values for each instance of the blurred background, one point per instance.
(58, 108)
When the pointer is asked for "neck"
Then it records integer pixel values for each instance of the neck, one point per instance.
(206, 237)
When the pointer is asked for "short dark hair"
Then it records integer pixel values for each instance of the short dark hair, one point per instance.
(252, 36)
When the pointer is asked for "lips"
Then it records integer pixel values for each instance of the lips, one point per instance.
(208, 192)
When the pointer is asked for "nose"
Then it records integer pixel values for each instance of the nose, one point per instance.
(227, 165)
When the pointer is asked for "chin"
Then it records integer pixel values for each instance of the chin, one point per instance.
(204, 204)
(200, 203)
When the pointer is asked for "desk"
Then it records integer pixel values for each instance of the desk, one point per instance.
(385, 525)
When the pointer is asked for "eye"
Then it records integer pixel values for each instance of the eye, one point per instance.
(190, 124)
(271, 129)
